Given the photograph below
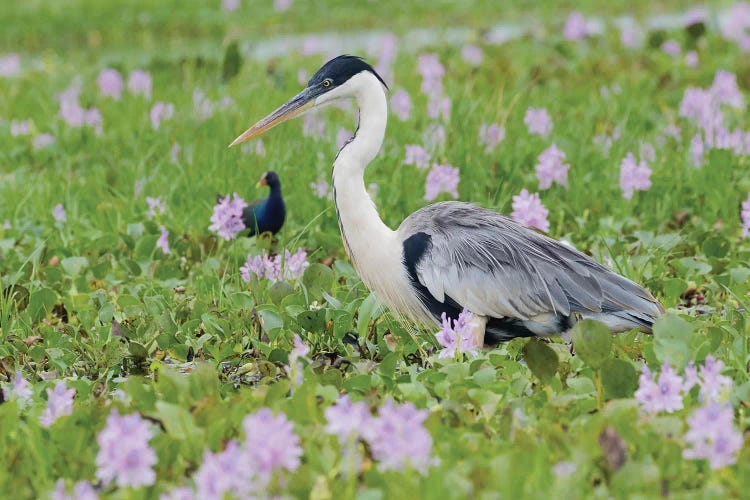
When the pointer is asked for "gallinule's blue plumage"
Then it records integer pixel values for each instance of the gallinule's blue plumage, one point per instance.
(267, 214)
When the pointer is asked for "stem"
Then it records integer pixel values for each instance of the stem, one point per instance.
(599, 390)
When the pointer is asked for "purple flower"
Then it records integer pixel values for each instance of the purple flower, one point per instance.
(43, 141)
(124, 454)
(401, 104)
(20, 389)
(320, 188)
(630, 34)
(671, 47)
(313, 125)
(230, 5)
(672, 131)
(529, 211)
(634, 176)
(18, 128)
(713, 436)
(714, 385)
(691, 377)
(272, 267)
(230, 471)
(6, 224)
(472, 54)
(139, 82)
(691, 59)
(82, 490)
(155, 206)
(226, 220)
(271, 442)
(347, 420)
(203, 107)
(182, 493)
(441, 179)
(93, 118)
(163, 241)
(745, 216)
(664, 395)
(575, 27)
(725, 90)
(564, 469)
(429, 67)
(282, 5)
(253, 265)
(398, 439)
(551, 168)
(110, 83)
(648, 153)
(538, 121)
(697, 150)
(295, 264)
(160, 111)
(439, 106)
(491, 135)
(342, 137)
(300, 349)
(457, 338)
(138, 187)
(10, 65)
(417, 156)
(58, 213)
(59, 404)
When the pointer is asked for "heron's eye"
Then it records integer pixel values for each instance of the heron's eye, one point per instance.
(327, 82)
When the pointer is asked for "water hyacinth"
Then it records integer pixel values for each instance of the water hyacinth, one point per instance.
(58, 213)
(491, 135)
(472, 54)
(139, 83)
(456, 338)
(226, 472)
(538, 121)
(110, 83)
(19, 128)
(125, 457)
(671, 48)
(82, 490)
(398, 439)
(575, 27)
(347, 420)
(10, 65)
(529, 211)
(401, 104)
(19, 389)
(42, 141)
(272, 268)
(7, 224)
(441, 179)
(416, 155)
(551, 168)
(155, 207)
(712, 436)
(226, 220)
(230, 5)
(634, 176)
(160, 111)
(745, 216)
(282, 5)
(662, 394)
(691, 59)
(271, 442)
(59, 404)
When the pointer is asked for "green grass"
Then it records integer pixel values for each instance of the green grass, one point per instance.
(498, 426)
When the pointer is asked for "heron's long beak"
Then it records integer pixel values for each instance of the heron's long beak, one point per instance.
(297, 105)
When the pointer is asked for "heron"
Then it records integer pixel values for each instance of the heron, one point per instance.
(266, 214)
(454, 256)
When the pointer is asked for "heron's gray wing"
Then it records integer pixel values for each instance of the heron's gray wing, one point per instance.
(494, 267)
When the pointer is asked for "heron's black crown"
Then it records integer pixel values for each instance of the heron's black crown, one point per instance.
(340, 69)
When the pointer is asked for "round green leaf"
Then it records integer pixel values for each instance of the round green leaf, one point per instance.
(619, 379)
(541, 359)
(592, 342)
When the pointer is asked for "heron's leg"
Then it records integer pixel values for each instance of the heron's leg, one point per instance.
(478, 324)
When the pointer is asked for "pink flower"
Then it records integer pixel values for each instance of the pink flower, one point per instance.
(300, 349)
(439, 106)
(634, 176)
(125, 456)
(725, 90)
(163, 242)
(160, 111)
(226, 220)
(575, 27)
(58, 213)
(347, 420)
(472, 54)
(19, 128)
(630, 34)
(398, 439)
(139, 82)
(664, 395)
(745, 216)
(417, 156)
(691, 59)
(671, 47)
(456, 338)
(551, 168)
(429, 67)
(282, 5)
(230, 5)
(20, 389)
(529, 211)
(155, 206)
(271, 442)
(441, 179)
(491, 135)
(538, 121)
(401, 104)
(59, 404)
(10, 65)
(93, 118)
(230, 471)
(713, 436)
(110, 83)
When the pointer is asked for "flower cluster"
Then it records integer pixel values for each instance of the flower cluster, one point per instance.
(226, 220)
(293, 265)
(397, 436)
(432, 72)
(491, 135)
(456, 339)
(416, 155)
(552, 168)
(441, 179)
(538, 121)
(125, 456)
(529, 211)
(401, 104)
(59, 404)
(745, 216)
(634, 176)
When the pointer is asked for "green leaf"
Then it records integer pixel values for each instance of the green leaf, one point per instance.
(367, 311)
(541, 359)
(672, 336)
(232, 61)
(318, 279)
(41, 302)
(312, 321)
(279, 290)
(592, 342)
(74, 265)
(715, 246)
(619, 378)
